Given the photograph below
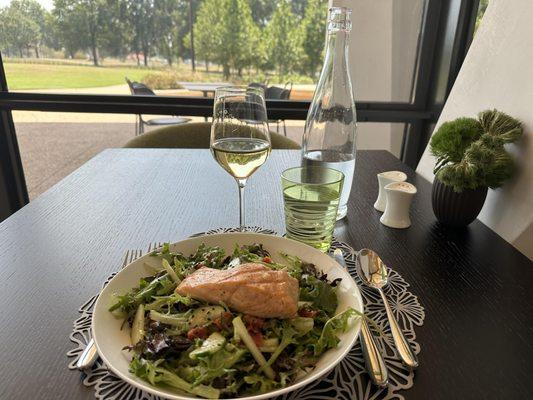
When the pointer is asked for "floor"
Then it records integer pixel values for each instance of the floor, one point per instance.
(52, 150)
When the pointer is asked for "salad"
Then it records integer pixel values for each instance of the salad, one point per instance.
(213, 351)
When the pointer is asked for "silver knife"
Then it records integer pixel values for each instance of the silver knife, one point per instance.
(375, 364)
(88, 357)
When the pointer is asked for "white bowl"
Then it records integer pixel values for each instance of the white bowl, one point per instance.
(110, 339)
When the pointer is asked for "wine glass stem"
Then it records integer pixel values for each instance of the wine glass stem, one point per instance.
(242, 184)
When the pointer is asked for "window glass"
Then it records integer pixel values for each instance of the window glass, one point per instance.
(73, 46)
(54, 144)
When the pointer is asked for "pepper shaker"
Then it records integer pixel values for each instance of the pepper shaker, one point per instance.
(399, 196)
(384, 178)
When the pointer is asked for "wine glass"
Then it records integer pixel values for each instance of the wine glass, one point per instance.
(240, 139)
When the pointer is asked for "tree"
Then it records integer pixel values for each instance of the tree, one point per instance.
(115, 39)
(208, 24)
(171, 17)
(238, 36)
(82, 24)
(284, 39)
(257, 48)
(313, 35)
(92, 12)
(5, 45)
(141, 16)
(156, 27)
(262, 11)
(18, 31)
(225, 32)
(22, 26)
(51, 34)
(32, 11)
(3, 42)
(182, 38)
(191, 33)
(67, 27)
(299, 7)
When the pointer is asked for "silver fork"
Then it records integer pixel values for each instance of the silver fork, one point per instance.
(154, 246)
(89, 356)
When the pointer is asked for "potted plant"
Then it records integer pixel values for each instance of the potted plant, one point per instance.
(470, 158)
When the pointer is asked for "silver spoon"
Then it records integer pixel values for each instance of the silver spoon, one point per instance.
(373, 273)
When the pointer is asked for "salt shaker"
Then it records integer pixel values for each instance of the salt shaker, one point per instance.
(384, 178)
(399, 196)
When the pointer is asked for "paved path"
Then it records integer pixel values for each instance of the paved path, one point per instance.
(50, 151)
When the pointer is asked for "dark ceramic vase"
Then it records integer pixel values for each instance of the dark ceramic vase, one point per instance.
(456, 209)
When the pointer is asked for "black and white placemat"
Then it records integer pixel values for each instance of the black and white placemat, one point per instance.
(346, 381)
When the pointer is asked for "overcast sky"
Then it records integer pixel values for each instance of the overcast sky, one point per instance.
(48, 4)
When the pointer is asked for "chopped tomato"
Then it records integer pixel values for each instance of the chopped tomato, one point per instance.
(258, 338)
(253, 324)
(307, 313)
(267, 259)
(199, 332)
(224, 321)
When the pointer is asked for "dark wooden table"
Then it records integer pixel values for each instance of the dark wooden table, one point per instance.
(477, 340)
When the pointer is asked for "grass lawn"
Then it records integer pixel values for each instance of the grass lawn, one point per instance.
(48, 76)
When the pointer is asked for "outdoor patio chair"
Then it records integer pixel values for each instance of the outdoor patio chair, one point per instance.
(194, 135)
(278, 93)
(258, 85)
(140, 89)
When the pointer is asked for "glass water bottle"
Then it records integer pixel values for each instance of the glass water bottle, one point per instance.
(330, 128)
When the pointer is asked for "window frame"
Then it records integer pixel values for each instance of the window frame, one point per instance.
(419, 116)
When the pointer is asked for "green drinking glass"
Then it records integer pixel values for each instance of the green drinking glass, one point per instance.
(311, 197)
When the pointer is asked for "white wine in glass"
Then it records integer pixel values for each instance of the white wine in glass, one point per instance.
(241, 157)
(240, 140)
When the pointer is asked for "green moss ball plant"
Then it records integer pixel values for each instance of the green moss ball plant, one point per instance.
(470, 152)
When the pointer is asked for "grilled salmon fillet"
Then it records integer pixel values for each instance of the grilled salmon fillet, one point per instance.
(249, 288)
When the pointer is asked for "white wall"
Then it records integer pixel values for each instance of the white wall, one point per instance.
(498, 73)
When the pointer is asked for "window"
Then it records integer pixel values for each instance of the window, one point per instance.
(404, 57)
(76, 47)
(89, 47)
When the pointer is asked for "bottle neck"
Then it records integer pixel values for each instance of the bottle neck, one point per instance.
(337, 49)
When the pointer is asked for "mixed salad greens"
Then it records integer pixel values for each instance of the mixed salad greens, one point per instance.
(213, 352)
